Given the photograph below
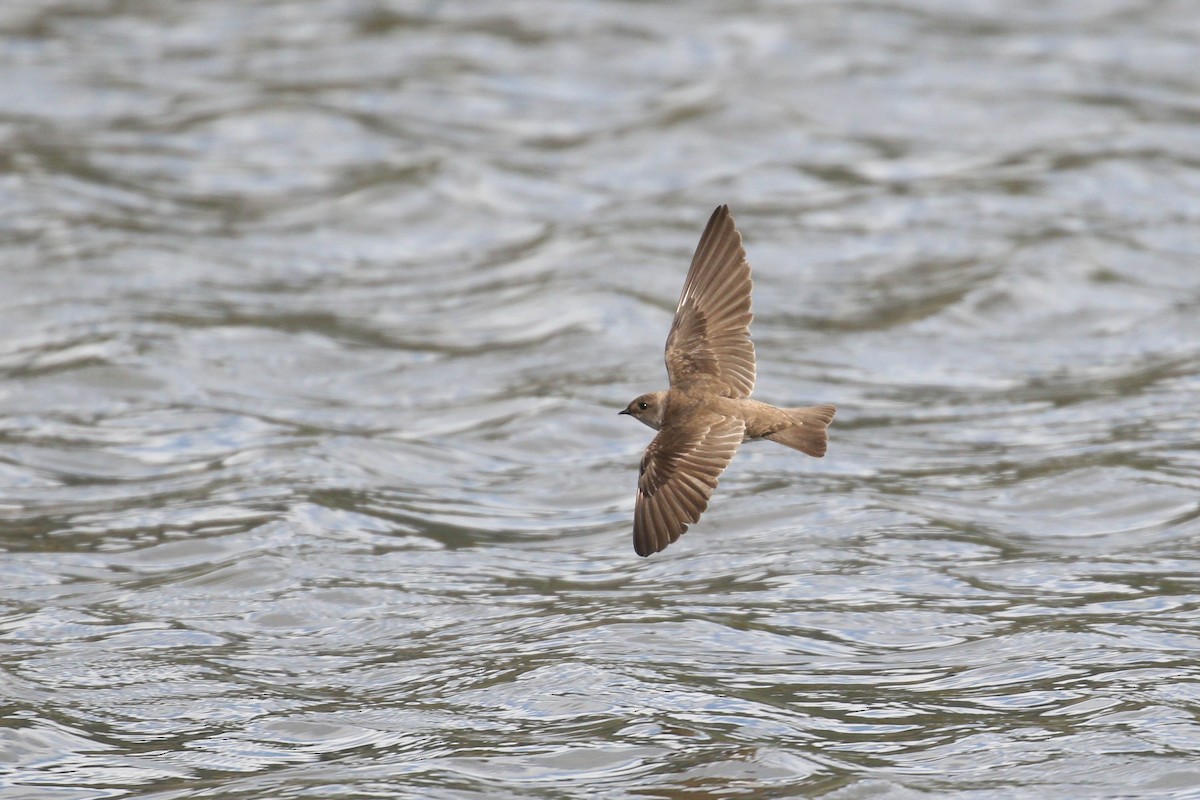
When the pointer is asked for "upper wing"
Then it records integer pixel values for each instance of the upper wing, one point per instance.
(678, 475)
(710, 337)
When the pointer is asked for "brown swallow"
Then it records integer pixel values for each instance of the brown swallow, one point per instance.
(707, 411)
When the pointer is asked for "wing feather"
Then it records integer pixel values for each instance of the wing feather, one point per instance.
(709, 340)
(679, 472)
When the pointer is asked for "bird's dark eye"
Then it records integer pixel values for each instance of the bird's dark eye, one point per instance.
(643, 405)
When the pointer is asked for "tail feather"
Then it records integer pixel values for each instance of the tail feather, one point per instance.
(806, 432)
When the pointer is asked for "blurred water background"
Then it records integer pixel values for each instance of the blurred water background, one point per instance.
(316, 316)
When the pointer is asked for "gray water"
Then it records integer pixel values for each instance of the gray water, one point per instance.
(315, 317)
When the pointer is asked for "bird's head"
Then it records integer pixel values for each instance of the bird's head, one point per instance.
(648, 409)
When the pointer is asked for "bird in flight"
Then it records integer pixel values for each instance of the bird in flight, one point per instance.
(707, 411)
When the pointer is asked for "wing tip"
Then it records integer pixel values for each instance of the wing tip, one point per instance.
(718, 216)
(646, 544)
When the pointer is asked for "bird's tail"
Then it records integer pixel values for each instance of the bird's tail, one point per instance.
(806, 432)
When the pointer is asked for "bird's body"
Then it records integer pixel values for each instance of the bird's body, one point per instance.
(707, 411)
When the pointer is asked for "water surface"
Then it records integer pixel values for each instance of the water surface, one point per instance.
(316, 317)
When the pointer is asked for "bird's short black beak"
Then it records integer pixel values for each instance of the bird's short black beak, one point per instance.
(623, 411)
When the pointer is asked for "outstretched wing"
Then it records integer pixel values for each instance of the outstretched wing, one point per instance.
(678, 475)
(709, 341)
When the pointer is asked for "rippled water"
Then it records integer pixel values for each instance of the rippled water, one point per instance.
(315, 320)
